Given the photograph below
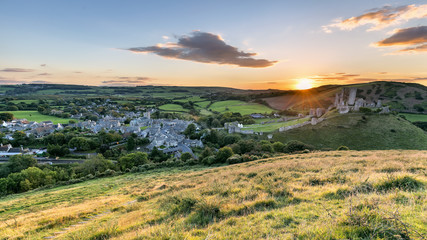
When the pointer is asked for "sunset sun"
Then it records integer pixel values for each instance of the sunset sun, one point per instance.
(304, 84)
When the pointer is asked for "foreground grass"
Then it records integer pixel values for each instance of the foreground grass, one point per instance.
(38, 117)
(324, 195)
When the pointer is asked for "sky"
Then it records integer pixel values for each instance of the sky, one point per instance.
(247, 44)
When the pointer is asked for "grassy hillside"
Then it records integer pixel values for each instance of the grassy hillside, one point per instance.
(359, 131)
(399, 96)
(325, 195)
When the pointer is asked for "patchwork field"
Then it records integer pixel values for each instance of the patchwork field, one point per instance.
(323, 195)
(271, 127)
(241, 107)
(415, 117)
(38, 117)
(173, 108)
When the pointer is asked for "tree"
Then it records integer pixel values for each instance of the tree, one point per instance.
(133, 159)
(7, 117)
(190, 130)
(93, 165)
(17, 163)
(57, 150)
(80, 143)
(294, 145)
(216, 123)
(223, 154)
(278, 146)
(206, 153)
(131, 144)
(19, 138)
(56, 138)
(186, 156)
(158, 156)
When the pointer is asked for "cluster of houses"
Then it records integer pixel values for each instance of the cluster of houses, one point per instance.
(162, 133)
(40, 129)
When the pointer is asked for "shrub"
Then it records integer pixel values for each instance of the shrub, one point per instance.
(236, 158)
(294, 146)
(223, 154)
(179, 204)
(366, 222)
(343, 148)
(405, 183)
(205, 213)
(278, 146)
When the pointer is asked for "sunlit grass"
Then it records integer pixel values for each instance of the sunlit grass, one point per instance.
(304, 196)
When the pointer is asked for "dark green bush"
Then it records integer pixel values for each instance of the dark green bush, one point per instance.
(295, 146)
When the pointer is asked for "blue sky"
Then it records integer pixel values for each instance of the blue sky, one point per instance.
(88, 42)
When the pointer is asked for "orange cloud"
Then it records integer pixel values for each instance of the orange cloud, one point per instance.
(414, 37)
(380, 18)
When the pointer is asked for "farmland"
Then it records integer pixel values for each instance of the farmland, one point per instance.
(173, 108)
(304, 196)
(241, 107)
(37, 117)
(270, 127)
(415, 117)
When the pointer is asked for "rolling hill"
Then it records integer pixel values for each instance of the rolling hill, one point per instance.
(402, 97)
(359, 131)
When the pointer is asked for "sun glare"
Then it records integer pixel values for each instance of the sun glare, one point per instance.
(303, 84)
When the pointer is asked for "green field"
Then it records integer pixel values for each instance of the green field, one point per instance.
(203, 104)
(37, 117)
(320, 195)
(241, 107)
(271, 127)
(192, 99)
(25, 101)
(173, 108)
(415, 117)
(359, 132)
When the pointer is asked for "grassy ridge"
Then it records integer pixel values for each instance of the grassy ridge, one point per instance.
(358, 131)
(38, 117)
(173, 108)
(306, 196)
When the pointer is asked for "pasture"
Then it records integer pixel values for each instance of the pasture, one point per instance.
(37, 117)
(241, 107)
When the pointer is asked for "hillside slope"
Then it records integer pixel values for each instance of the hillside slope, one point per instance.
(360, 132)
(324, 195)
(406, 97)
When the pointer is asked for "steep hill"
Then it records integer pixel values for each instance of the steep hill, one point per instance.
(324, 195)
(359, 131)
(404, 97)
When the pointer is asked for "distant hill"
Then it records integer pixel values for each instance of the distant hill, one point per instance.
(402, 97)
(360, 132)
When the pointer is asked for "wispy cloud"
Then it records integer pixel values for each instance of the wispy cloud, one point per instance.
(16, 70)
(415, 38)
(127, 81)
(206, 48)
(380, 18)
(44, 74)
(41, 82)
(346, 78)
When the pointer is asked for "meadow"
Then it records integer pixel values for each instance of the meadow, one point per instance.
(241, 107)
(415, 117)
(38, 117)
(271, 127)
(320, 195)
(173, 108)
